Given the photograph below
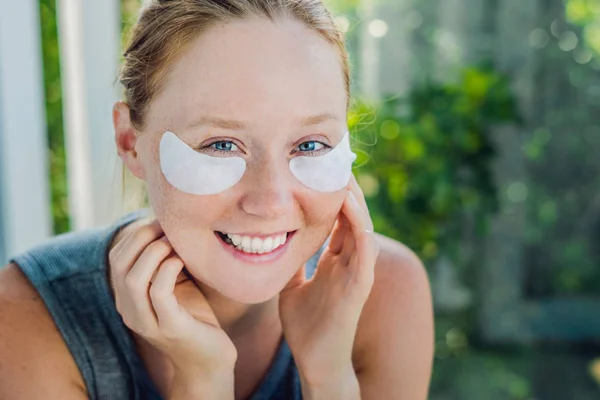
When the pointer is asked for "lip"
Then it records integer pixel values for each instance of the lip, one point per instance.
(250, 258)
(259, 234)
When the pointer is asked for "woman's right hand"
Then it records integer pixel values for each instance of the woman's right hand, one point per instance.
(160, 303)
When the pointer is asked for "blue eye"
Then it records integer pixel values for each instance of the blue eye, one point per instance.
(311, 146)
(223, 146)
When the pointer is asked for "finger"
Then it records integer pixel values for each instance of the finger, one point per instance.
(183, 276)
(338, 234)
(136, 283)
(360, 201)
(365, 244)
(124, 242)
(146, 266)
(162, 290)
(359, 222)
(360, 197)
(349, 243)
(358, 192)
(363, 265)
(128, 250)
(172, 252)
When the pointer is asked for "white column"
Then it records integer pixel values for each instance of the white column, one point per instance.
(385, 48)
(369, 53)
(89, 35)
(24, 188)
(459, 37)
(395, 48)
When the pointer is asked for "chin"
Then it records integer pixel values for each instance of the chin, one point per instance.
(244, 284)
(249, 294)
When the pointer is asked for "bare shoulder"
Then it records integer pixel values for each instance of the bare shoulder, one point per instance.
(394, 343)
(35, 363)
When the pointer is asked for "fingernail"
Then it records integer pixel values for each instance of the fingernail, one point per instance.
(353, 198)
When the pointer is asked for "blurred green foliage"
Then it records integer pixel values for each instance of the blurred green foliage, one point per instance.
(560, 190)
(424, 164)
(586, 13)
(54, 116)
(432, 158)
(342, 6)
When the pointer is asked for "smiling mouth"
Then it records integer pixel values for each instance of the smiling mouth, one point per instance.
(255, 245)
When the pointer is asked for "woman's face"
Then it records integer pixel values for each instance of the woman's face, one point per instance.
(264, 92)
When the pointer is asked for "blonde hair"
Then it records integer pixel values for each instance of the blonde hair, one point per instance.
(165, 27)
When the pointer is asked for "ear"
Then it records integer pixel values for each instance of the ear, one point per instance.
(126, 137)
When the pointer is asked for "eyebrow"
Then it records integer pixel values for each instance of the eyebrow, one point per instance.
(234, 125)
(228, 124)
(317, 119)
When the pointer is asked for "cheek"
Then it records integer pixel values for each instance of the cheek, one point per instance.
(156, 184)
(176, 211)
(321, 209)
(162, 196)
(187, 220)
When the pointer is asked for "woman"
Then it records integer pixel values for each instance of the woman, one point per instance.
(234, 118)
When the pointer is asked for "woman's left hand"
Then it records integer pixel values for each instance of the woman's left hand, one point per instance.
(320, 315)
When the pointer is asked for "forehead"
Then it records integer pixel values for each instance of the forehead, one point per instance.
(254, 69)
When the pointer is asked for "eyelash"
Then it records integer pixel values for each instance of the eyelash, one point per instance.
(313, 152)
(211, 147)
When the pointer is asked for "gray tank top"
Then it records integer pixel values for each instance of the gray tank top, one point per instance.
(69, 272)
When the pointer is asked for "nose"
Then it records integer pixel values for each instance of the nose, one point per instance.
(268, 193)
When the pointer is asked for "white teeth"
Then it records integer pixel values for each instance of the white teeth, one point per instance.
(257, 245)
(246, 242)
(267, 244)
(276, 242)
(236, 239)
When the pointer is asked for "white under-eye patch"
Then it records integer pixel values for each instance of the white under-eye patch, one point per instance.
(197, 173)
(327, 173)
